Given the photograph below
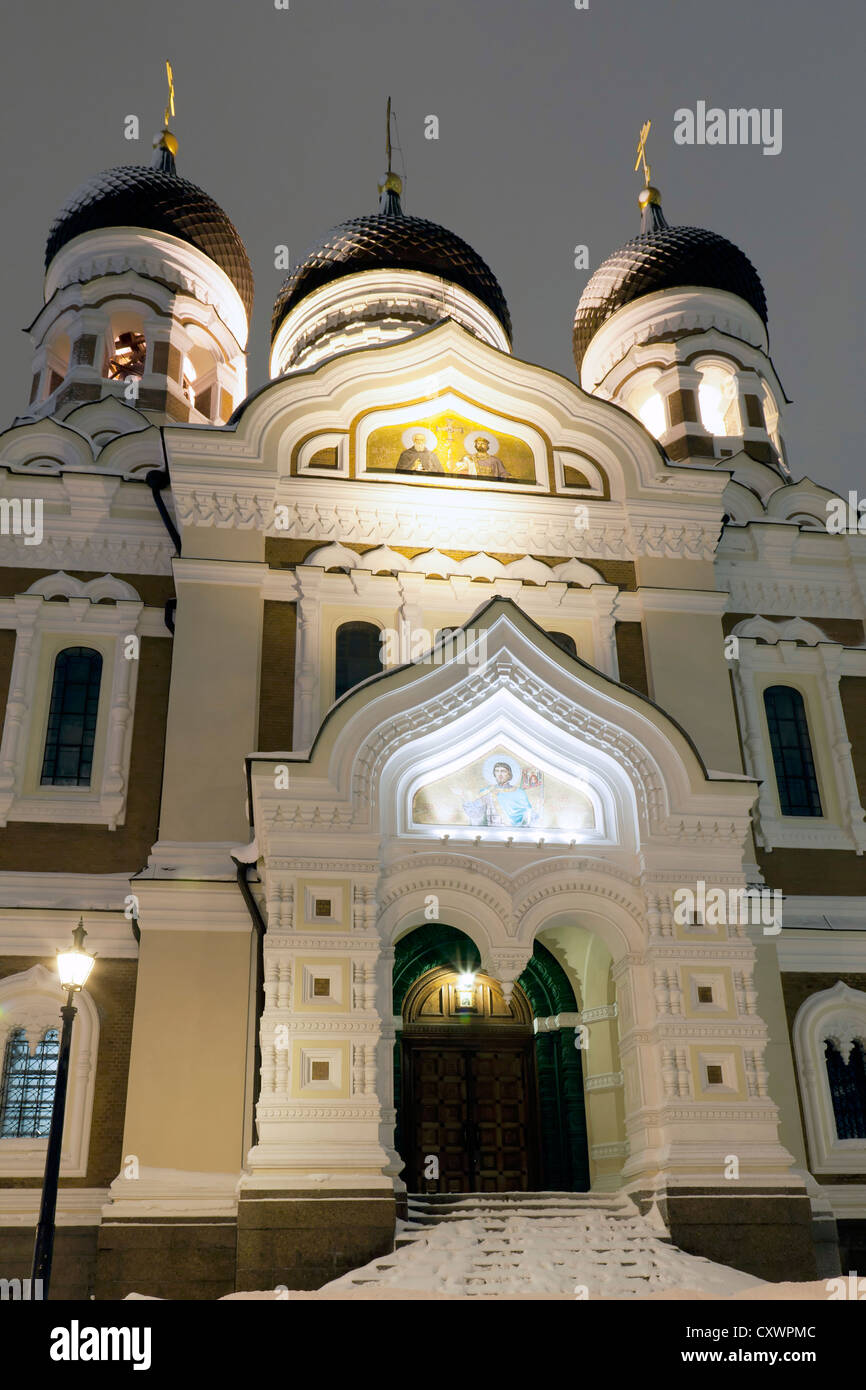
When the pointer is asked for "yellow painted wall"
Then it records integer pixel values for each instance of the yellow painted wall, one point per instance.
(212, 713)
(185, 1106)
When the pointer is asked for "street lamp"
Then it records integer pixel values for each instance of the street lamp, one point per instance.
(73, 967)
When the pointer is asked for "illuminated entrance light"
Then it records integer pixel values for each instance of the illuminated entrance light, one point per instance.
(466, 991)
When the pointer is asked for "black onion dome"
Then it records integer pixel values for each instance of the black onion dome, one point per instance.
(390, 240)
(663, 259)
(133, 195)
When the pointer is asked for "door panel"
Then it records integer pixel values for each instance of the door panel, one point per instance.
(438, 1100)
(500, 1139)
(473, 1107)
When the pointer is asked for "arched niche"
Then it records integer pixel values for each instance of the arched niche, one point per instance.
(427, 965)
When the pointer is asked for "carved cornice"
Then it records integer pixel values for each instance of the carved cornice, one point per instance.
(333, 1025)
(753, 593)
(758, 1111)
(301, 941)
(120, 554)
(545, 528)
(324, 866)
(274, 1111)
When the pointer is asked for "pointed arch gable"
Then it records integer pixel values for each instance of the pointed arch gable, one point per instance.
(644, 766)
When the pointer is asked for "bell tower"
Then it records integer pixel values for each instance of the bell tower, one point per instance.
(673, 327)
(148, 293)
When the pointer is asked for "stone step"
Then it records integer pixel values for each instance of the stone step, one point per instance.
(470, 1246)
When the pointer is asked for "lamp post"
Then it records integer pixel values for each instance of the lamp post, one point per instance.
(73, 967)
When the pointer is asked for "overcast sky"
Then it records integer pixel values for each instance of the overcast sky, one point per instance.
(280, 117)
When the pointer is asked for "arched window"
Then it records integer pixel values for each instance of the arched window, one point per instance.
(792, 752)
(847, 1078)
(359, 655)
(643, 400)
(563, 640)
(28, 1081)
(68, 760)
(717, 400)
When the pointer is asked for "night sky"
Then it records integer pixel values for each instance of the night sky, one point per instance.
(280, 117)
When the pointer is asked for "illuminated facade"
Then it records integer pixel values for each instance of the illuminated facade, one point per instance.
(406, 732)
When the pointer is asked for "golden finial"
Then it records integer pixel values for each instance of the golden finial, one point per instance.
(166, 140)
(392, 183)
(169, 110)
(641, 153)
(648, 197)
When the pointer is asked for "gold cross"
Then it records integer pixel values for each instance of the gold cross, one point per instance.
(169, 110)
(641, 152)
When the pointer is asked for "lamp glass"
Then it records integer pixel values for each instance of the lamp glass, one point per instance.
(73, 968)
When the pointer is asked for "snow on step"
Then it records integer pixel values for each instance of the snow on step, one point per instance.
(480, 1247)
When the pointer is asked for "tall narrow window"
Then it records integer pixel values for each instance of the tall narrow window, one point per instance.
(848, 1089)
(359, 655)
(27, 1094)
(68, 760)
(792, 752)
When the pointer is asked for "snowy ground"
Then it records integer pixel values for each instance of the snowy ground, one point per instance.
(577, 1249)
(783, 1292)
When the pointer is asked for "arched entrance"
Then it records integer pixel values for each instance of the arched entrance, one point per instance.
(494, 1098)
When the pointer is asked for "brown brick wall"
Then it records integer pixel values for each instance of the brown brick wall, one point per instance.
(153, 589)
(847, 631)
(836, 872)
(112, 988)
(281, 553)
(682, 406)
(852, 690)
(631, 657)
(277, 676)
(94, 849)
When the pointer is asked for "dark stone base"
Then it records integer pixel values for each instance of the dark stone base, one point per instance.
(73, 1271)
(852, 1245)
(767, 1233)
(302, 1240)
(188, 1259)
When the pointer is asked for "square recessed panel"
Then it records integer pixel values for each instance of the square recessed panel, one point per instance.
(708, 992)
(324, 904)
(322, 984)
(718, 1073)
(321, 1071)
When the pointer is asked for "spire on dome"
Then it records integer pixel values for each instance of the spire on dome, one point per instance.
(392, 185)
(652, 219)
(165, 145)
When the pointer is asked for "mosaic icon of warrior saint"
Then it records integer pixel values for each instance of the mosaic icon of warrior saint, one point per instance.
(479, 453)
(511, 795)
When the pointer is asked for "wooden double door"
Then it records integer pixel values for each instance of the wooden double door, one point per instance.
(470, 1104)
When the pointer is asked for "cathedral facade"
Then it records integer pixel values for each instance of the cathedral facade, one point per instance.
(459, 769)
